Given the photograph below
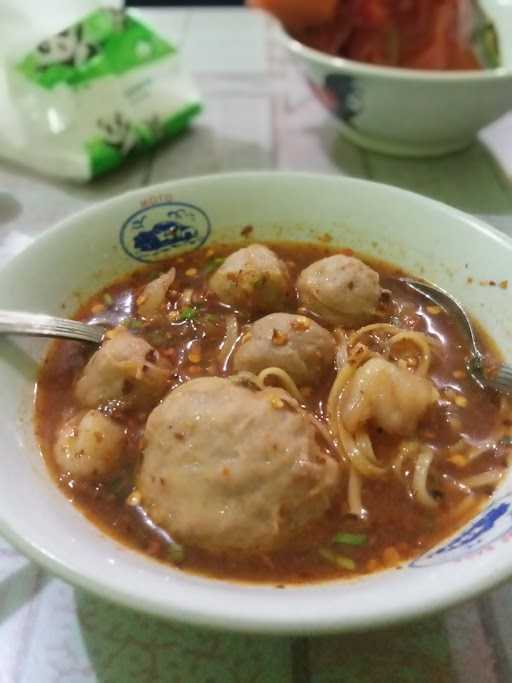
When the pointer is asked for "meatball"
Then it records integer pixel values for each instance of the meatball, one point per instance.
(252, 278)
(395, 399)
(89, 446)
(227, 468)
(340, 289)
(125, 368)
(291, 342)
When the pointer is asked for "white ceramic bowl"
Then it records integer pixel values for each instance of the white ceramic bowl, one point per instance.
(406, 112)
(87, 250)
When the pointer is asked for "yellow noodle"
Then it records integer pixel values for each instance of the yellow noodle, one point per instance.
(284, 380)
(230, 340)
(375, 327)
(357, 457)
(457, 447)
(342, 379)
(484, 479)
(186, 298)
(398, 463)
(456, 483)
(419, 340)
(476, 451)
(342, 350)
(358, 447)
(365, 446)
(406, 450)
(355, 501)
(397, 334)
(246, 377)
(361, 456)
(505, 406)
(419, 482)
(341, 357)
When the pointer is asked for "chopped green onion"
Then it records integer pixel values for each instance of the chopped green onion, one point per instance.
(120, 486)
(485, 42)
(189, 313)
(338, 560)
(506, 441)
(214, 263)
(156, 337)
(133, 323)
(475, 364)
(176, 553)
(107, 299)
(350, 539)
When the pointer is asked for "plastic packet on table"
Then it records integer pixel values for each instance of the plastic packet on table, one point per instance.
(84, 86)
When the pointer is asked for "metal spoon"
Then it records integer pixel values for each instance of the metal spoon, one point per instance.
(500, 379)
(38, 325)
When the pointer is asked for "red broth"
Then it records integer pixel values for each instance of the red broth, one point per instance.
(396, 528)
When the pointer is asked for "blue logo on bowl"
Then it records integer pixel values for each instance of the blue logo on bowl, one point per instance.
(491, 525)
(164, 230)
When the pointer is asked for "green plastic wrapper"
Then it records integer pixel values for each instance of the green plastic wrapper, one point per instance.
(88, 98)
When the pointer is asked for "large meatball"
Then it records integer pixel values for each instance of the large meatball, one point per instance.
(291, 342)
(124, 368)
(340, 289)
(253, 278)
(89, 445)
(227, 468)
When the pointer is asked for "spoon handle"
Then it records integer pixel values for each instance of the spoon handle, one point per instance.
(38, 325)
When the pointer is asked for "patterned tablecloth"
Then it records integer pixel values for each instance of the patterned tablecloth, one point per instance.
(259, 115)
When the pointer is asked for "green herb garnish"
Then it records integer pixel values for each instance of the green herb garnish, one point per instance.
(156, 337)
(506, 441)
(486, 45)
(120, 487)
(338, 560)
(133, 323)
(350, 539)
(214, 263)
(189, 313)
(176, 553)
(475, 364)
(107, 299)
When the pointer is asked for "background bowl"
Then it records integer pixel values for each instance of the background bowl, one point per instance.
(408, 112)
(85, 252)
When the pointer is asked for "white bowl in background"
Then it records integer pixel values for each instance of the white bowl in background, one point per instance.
(410, 112)
(89, 249)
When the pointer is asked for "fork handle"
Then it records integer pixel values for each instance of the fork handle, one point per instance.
(39, 325)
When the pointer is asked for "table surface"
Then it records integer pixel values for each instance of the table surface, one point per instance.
(258, 115)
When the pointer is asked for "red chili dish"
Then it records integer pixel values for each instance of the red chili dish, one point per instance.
(415, 34)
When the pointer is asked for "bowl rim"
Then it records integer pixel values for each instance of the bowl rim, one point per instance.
(386, 72)
(196, 613)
